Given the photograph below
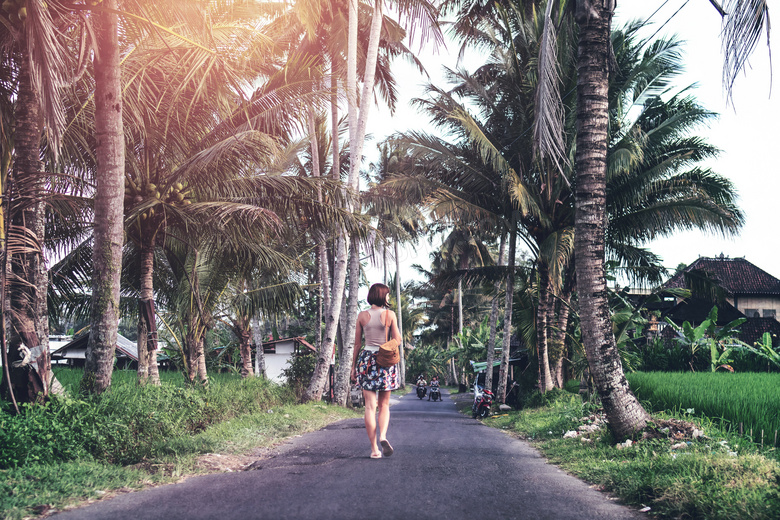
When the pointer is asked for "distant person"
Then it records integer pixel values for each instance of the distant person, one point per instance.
(373, 324)
(434, 384)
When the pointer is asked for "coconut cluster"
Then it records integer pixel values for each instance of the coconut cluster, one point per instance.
(175, 195)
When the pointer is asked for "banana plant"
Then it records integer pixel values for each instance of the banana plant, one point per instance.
(763, 348)
(720, 341)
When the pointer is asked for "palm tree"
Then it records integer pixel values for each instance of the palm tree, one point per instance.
(36, 65)
(109, 205)
(420, 12)
(397, 221)
(624, 412)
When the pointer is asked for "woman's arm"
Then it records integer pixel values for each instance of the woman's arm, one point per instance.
(394, 332)
(358, 340)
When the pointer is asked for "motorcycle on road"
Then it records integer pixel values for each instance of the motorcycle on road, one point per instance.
(421, 391)
(435, 394)
(483, 400)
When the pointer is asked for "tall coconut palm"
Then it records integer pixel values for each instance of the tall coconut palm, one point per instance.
(624, 412)
(397, 221)
(420, 12)
(199, 86)
(643, 135)
(109, 204)
(37, 64)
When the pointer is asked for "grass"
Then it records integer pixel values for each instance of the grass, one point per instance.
(81, 448)
(720, 477)
(749, 399)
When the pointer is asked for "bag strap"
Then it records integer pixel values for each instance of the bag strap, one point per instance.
(387, 326)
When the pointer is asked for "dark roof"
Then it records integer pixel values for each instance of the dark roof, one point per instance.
(696, 310)
(736, 275)
(753, 329)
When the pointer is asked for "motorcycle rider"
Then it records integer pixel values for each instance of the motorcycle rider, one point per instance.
(421, 382)
(434, 384)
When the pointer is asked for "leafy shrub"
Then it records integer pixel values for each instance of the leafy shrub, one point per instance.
(299, 372)
(663, 356)
(128, 422)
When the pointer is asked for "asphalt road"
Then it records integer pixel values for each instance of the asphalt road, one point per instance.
(445, 466)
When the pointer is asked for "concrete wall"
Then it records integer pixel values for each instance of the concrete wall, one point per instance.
(743, 303)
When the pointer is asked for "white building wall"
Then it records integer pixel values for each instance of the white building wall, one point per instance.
(274, 364)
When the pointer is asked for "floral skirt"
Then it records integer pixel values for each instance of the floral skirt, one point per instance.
(372, 377)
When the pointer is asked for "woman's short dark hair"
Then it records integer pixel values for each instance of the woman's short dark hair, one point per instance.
(377, 294)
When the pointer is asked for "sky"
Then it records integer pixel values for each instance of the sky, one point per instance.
(746, 131)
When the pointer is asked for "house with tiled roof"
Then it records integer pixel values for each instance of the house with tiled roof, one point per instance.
(751, 290)
(748, 291)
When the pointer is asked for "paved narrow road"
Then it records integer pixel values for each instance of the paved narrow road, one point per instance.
(446, 465)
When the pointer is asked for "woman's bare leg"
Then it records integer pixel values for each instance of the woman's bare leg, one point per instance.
(370, 420)
(384, 413)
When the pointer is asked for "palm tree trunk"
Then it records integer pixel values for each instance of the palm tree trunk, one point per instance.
(384, 264)
(322, 253)
(146, 294)
(245, 347)
(564, 303)
(624, 413)
(491, 346)
(508, 301)
(542, 329)
(41, 312)
(325, 354)
(402, 363)
(349, 319)
(460, 305)
(109, 204)
(201, 357)
(25, 266)
(257, 334)
(357, 134)
(357, 125)
(147, 325)
(191, 349)
(334, 124)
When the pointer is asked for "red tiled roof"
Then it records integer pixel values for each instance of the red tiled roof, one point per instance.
(753, 329)
(736, 275)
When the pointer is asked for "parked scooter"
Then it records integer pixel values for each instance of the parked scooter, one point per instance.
(483, 400)
(435, 393)
(421, 391)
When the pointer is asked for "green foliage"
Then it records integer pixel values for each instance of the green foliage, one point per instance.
(718, 342)
(242, 415)
(552, 397)
(299, 372)
(660, 355)
(752, 399)
(472, 345)
(125, 424)
(705, 480)
(763, 349)
(428, 360)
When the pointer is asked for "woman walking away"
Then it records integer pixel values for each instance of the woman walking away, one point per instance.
(374, 324)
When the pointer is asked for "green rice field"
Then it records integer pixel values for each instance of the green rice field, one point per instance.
(747, 400)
